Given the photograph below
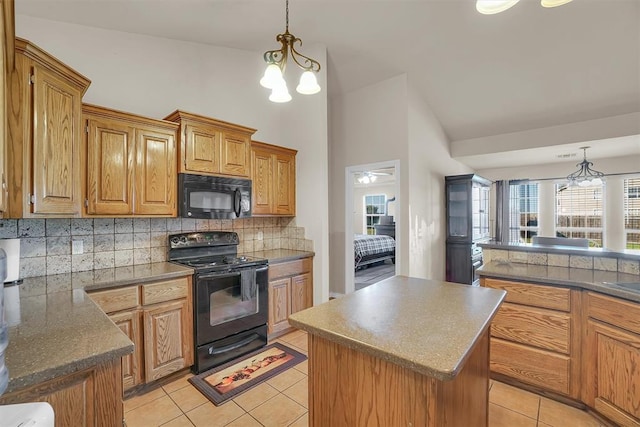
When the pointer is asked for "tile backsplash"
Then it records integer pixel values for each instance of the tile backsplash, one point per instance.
(45, 244)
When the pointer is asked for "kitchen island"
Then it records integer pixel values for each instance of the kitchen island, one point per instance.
(402, 352)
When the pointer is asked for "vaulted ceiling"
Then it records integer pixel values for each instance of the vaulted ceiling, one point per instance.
(526, 68)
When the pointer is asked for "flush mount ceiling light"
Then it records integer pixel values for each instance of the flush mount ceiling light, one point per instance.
(490, 7)
(585, 176)
(277, 63)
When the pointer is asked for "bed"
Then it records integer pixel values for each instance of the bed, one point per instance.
(369, 249)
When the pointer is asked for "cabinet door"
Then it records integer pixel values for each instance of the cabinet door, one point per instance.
(92, 397)
(284, 193)
(202, 149)
(3, 112)
(155, 173)
(56, 132)
(261, 176)
(165, 348)
(301, 292)
(129, 322)
(279, 304)
(110, 155)
(613, 373)
(235, 158)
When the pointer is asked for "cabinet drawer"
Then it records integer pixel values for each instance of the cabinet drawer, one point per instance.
(617, 312)
(531, 365)
(153, 293)
(534, 295)
(290, 268)
(116, 299)
(538, 327)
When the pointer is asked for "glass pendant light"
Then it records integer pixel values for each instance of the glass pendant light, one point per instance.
(489, 7)
(280, 92)
(553, 3)
(308, 84)
(272, 76)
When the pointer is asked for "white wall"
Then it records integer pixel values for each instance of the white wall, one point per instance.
(429, 162)
(154, 76)
(368, 125)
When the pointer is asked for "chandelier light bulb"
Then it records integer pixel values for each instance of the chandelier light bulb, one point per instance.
(490, 7)
(280, 93)
(553, 3)
(308, 84)
(596, 181)
(271, 77)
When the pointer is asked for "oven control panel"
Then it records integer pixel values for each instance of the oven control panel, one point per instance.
(205, 238)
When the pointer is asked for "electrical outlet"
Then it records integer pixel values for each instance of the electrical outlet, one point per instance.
(77, 247)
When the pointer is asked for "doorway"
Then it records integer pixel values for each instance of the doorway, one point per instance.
(372, 201)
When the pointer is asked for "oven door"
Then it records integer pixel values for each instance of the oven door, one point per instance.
(230, 302)
(214, 197)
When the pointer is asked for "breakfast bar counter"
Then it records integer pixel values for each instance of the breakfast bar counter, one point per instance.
(404, 351)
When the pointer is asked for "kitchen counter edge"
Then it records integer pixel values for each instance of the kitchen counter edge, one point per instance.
(442, 349)
(593, 280)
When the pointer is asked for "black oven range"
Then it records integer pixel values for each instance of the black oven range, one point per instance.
(229, 296)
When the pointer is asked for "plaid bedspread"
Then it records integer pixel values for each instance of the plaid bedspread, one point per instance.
(364, 244)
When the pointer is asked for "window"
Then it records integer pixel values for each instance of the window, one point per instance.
(375, 207)
(523, 211)
(579, 212)
(632, 212)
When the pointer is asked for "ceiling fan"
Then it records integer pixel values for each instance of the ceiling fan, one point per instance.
(371, 176)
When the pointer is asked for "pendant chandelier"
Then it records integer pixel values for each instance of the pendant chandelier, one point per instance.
(277, 63)
(489, 7)
(585, 176)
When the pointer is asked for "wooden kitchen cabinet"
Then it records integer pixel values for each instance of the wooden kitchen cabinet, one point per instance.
(536, 335)
(290, 290)
(158, 318)
(44, 113)
(130, 322)
(273, 172)
(165, 329)
(212, 147)
(612, 358)
(7, 61)
(131, 164)
(91, 397)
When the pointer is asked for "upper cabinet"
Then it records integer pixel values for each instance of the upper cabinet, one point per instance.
(7, 60)
(467, 208)
(212, 147)
(273, 172)
(131, 164)
(44, 113)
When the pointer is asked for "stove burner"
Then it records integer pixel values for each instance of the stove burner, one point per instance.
(234, 260)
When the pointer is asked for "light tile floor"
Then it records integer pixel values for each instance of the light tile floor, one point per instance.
(282, 402)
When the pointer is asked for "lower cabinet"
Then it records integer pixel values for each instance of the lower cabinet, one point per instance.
(535, 337)
(91, 397)
(165, 332)
(158, 319)
(580, 344)
(612, 358)
(290, 290)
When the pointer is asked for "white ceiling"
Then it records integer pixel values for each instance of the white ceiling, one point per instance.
(529, 67)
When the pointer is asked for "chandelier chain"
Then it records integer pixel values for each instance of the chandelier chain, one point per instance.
(287, 16)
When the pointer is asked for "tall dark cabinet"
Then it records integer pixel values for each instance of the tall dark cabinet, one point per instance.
(467, 208)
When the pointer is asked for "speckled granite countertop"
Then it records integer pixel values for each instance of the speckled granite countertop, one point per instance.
(424, 325)
(282, 255)
(58, 334)
(56, 329)
(595, 280)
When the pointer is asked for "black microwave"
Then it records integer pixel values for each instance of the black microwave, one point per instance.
(213, 197)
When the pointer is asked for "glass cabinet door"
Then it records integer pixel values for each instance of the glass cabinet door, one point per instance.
(458, 210)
